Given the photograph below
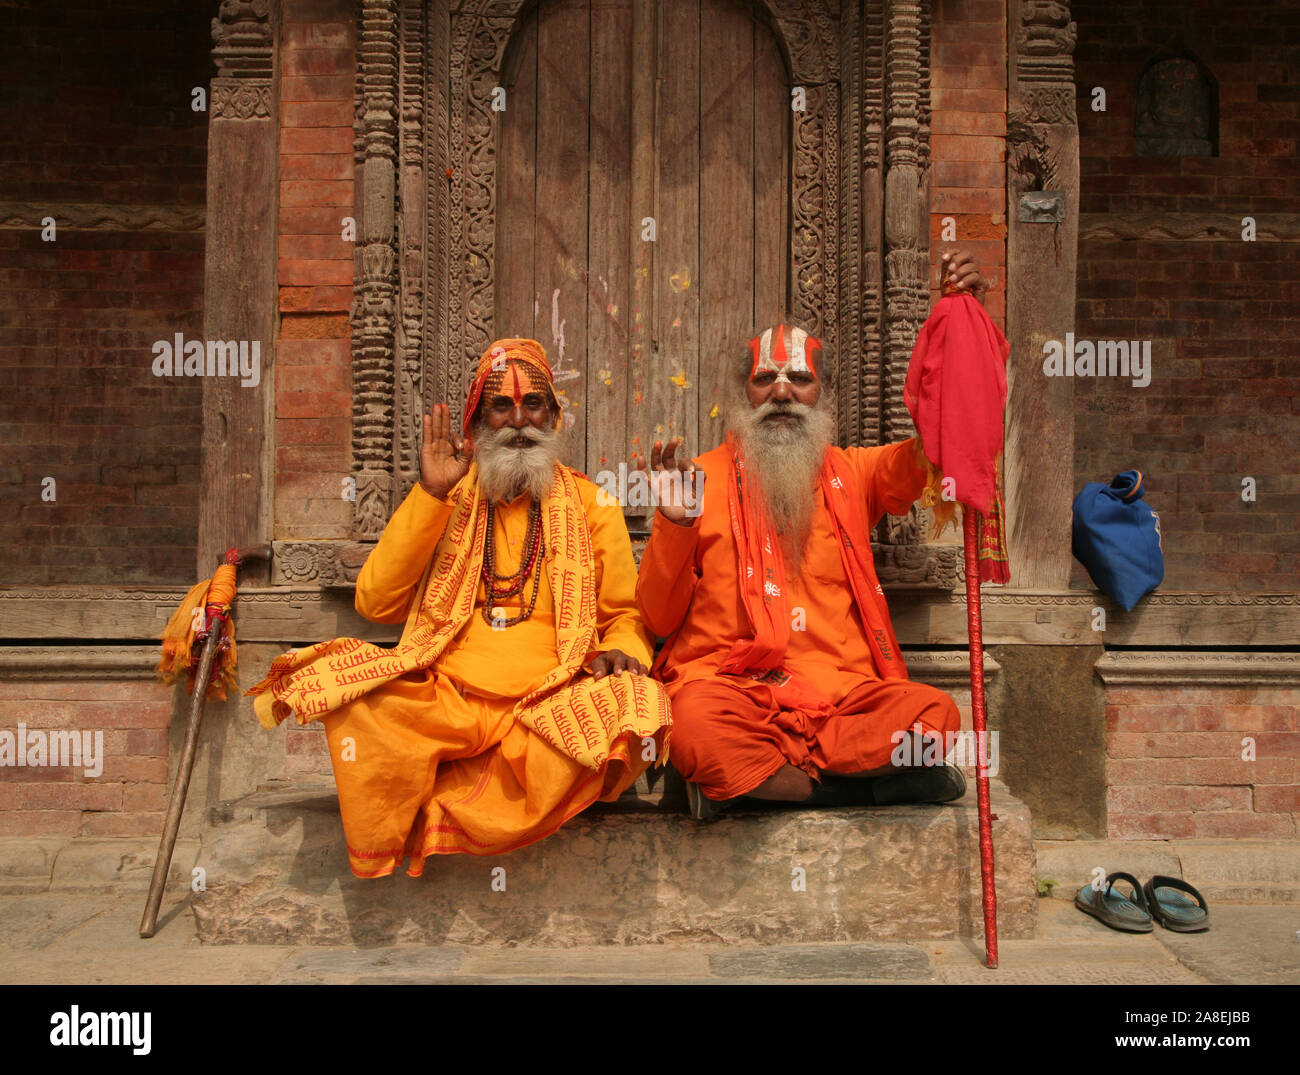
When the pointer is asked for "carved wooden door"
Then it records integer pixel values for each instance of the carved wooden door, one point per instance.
(642, 225)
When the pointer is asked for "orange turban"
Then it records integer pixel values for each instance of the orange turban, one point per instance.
(511, 368)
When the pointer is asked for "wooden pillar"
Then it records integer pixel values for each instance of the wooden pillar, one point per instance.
(1042, 246)
(239, 292)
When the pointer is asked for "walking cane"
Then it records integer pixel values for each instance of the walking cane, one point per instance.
(215, 617)
(970, 529)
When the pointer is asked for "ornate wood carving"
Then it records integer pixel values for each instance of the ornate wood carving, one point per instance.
(925, 566)
(241, 35)
(85, 216)
(1044, 61)
(1189, 227)
(373, 324)
(1158, 669)
(326, 563)
(239, 286)
(906, 216)
(44, 663)
(1042, 154)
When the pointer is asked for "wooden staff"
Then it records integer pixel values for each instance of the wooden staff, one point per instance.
(974, 627)
(216, 617)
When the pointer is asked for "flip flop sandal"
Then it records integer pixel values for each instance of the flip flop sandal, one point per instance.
(1115, 910)
(1173, 910)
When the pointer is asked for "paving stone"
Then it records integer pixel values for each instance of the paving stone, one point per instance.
(96, 863)
(1244, 944)
(887, 962)
(405, 965)
(26, 863)
(277, 873)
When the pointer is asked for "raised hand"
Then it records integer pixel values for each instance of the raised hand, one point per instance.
(958, 269)
(676, 487)
(444, 457)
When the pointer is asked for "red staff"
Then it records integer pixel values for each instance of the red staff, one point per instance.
(956, 390)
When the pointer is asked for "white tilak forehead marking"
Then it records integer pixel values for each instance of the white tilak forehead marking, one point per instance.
(796, 356)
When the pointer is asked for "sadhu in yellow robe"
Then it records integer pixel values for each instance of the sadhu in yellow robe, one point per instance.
(468, 737)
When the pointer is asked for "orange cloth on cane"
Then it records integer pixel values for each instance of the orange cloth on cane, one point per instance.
(688, 590)
(179, 654)
(465, 737)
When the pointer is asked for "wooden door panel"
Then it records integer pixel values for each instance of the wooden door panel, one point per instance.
(672, 381)
(726, 207)
(610, 194)
(568, 233)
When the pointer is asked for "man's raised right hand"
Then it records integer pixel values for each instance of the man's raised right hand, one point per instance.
(444, 458)
(676, 487)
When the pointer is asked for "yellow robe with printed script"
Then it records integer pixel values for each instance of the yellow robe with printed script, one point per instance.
(435, 761)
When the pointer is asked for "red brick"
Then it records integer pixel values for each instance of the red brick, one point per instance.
(319, 61)
(315, 140)
(75, 796)
(316, 35)
(316, 88)
(312, 404)
(39, 822)
(1150, 827)
(967, 200)
(312, 221)
(121, 824)
(303, 458)
(315, 299)
(961, 147)
(293, 271)
(1242, 825)
(992, 124)
(1274, 799)
(317, 166)
(337, 113)
(314, 327)
(315, 353)
(316, 429)
(318, 192)
(292, 379)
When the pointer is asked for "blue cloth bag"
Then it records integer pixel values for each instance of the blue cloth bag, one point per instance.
(1117, 538)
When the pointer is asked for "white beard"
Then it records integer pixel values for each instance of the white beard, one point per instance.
(505, 470)
(784, 459)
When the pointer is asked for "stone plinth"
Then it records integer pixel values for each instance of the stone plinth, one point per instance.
(277, 873)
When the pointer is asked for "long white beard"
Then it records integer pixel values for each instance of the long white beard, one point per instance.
(506, 469)
(785, 459)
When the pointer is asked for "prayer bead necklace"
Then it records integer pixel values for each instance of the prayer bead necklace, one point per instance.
(498, 587)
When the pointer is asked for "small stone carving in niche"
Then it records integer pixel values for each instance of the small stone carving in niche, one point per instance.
(1176, 110)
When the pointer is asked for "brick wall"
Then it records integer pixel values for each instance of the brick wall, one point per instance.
(98, 111)
(968, 89)
(1222, 316)
(1175, 768)
(313, 399)
(129, 796)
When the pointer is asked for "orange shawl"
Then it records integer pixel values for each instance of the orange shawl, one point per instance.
(761, 571)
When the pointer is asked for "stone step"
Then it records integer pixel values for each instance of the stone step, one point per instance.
(276, 872)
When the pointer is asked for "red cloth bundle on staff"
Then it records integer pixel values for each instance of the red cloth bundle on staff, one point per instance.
(956, 391)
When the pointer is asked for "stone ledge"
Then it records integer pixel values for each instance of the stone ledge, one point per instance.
(277, 873)
(1160, 668)
(1240, 871)
(89, 864)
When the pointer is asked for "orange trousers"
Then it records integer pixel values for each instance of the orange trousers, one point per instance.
(730, 735)
(422, 770)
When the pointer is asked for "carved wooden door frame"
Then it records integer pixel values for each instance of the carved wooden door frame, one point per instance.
(425, 151)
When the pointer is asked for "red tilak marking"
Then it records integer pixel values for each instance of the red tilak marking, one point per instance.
(755, 348)
(518, 392)
(779, 353)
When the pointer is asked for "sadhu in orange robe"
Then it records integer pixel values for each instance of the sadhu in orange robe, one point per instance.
(466, 737)
(818, 681)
